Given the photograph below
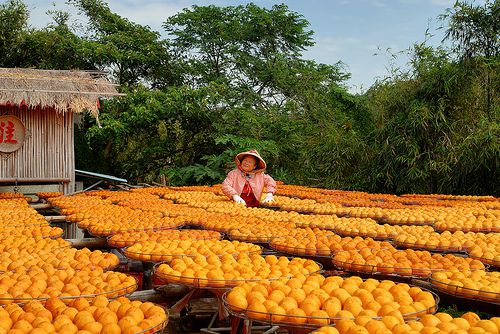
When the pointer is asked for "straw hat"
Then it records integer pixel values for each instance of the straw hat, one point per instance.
(261, 164)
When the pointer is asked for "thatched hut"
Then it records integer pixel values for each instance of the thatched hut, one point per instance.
(37, 109)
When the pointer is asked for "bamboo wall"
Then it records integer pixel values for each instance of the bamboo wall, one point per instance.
(47, 155)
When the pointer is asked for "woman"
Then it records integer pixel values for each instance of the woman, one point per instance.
(246, 183)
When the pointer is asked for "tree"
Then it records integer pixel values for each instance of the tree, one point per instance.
(244, 47)
(473, 30)
(429, 130)
(55, 47)
(133, 53)
(13, 22)
(151, 130)
(270, 94)
(474, 33)
(52, 47)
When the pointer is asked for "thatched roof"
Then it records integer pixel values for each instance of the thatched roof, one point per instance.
(65, 91)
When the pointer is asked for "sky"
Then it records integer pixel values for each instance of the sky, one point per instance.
(362, 34)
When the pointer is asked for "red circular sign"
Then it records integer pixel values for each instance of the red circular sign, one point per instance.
(12, 133)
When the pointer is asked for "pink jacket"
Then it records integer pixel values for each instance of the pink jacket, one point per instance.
(235, 181)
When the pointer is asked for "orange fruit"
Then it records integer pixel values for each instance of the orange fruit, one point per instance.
(135, 313)
(36, 321)
(255, 296)
(471, 317)
(132, 330)
(278, 313)
(343, 325)
(71, 312)
(294, 283)
(375, 327)
(237, 301)
(269, 303)
(93, 327)
(100, 301)
(115, 304)
(296, 315)
(285, 288)
(329, 287)
(288, 303)
(68, 329)
(23, 325)
(33, 331)
(298, 294)
(276, 295)
(357, 329)
(349, 287)
(155, 311)
(496, 321)
(122, 309)
(145, 306)
(256, 310)
(340, 294)
(80, 303)
(318, 317)
(390, 321)
(262, 289)
(47, 327)
(429, 320)
(332, 306)
(126, 322)
(343, 314)
(461, 323)
(487, 325)
(308, 307)
(443, 317)
(61, 320)
(111, 329)
(328, 330)
(401, 328)
(107, 317)
(446, 327)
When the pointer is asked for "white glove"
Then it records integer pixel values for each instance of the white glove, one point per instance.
(239, 200)
(269, 198)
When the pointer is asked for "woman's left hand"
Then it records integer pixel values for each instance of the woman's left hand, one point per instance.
(269, 198)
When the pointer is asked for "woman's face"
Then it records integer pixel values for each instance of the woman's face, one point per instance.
(248, 163)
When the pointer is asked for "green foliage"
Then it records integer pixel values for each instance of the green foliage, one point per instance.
(474, 33)
(149, 129)
(456, 311)
(473, 29)
(437, 129)
(131, 52)
(54, 47)
(13, 22)
(217, 165)
(229, 79)
(238, 46)
(429, 129)
(477, 167)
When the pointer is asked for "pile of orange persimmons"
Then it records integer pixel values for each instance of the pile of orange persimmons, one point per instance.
(277, 264)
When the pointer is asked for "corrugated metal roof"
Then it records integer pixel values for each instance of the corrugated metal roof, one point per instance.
(99, 176)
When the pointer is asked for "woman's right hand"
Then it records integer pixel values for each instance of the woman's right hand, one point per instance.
(239, 200)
